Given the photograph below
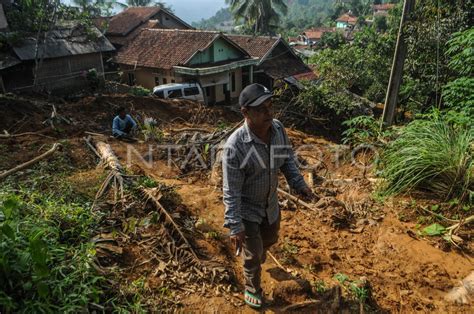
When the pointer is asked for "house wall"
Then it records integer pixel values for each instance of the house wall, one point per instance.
(146, 77)
(202, 57)
(149, 78)
(58, 74)
(219, 51)
(224, 51)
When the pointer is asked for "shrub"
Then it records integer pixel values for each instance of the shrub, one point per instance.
(139, 91)
(43, 268)
(431, 155)
(360, 130)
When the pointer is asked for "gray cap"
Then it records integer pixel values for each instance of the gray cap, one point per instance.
(254, 95)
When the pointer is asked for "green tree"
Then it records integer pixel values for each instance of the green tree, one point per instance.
(427, 67)
(95, 7)
(262, 15)
(332, 40)
(380, 23)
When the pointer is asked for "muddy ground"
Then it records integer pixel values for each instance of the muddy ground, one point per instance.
(350, 239)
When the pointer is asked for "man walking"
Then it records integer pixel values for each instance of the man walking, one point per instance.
(252, 157)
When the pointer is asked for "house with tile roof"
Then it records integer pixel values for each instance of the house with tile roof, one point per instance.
(65, 55)
(313, 35)
(126, 25)
(276, 59)
(382, 9)
(161, 56)
(346, 20)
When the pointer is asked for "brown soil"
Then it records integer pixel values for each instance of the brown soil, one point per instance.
(363, 239)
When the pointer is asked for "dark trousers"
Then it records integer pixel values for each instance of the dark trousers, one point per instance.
(258, 239)
(128, 128)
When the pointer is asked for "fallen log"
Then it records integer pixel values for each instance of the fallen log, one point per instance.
(190, 130)
(115, 177)
(28, 164)
(8, 135)
(89, 144)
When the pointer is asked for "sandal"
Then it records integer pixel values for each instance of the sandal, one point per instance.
(253, 300)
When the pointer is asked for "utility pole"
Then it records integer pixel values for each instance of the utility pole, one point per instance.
(396, 74)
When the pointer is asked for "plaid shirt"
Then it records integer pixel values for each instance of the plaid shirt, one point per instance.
(250, 173)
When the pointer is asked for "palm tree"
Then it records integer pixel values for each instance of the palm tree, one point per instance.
(145, 3)
(95, 7)
(261, 15)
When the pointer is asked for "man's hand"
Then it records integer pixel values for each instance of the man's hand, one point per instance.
(237, 240)
(307, 194)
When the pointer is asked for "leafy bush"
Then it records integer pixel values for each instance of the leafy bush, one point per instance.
(362, 67)
(139, 91)
(431, 155)
(323, 99)
(43, 268)
(361, 130)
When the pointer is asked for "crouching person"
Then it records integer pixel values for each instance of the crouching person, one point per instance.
(123, 126)
(253, 155)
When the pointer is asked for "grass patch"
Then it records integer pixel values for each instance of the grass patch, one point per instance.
(46, 257)
(432, 156)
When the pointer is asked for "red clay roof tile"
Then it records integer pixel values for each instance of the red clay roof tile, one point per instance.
(256, 46)
(165, 48)
(127, 20)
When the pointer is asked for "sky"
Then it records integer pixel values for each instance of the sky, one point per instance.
(195, 10)
(191, 10)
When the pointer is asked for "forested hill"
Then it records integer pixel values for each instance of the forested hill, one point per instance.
(219, 21)
(301, 14)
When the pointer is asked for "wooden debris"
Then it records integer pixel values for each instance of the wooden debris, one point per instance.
(286, 270)
(296, 199)
(300, 305)
(150, 195)
(190, 130)
(55, 117)
(28, 164)
(7, 135)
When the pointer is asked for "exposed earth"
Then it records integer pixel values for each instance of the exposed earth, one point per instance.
(352, 252)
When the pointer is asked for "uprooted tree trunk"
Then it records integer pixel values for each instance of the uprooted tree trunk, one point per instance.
(115, 176)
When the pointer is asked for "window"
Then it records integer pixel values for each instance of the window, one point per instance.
(190, 91)
(173, 81)
(157, 81)
(233, 81)
(224, 88)
(131, 79)
(160, 94)
(175, 93)
(164, 80)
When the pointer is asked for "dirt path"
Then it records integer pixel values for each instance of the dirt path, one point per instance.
(406, 273)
